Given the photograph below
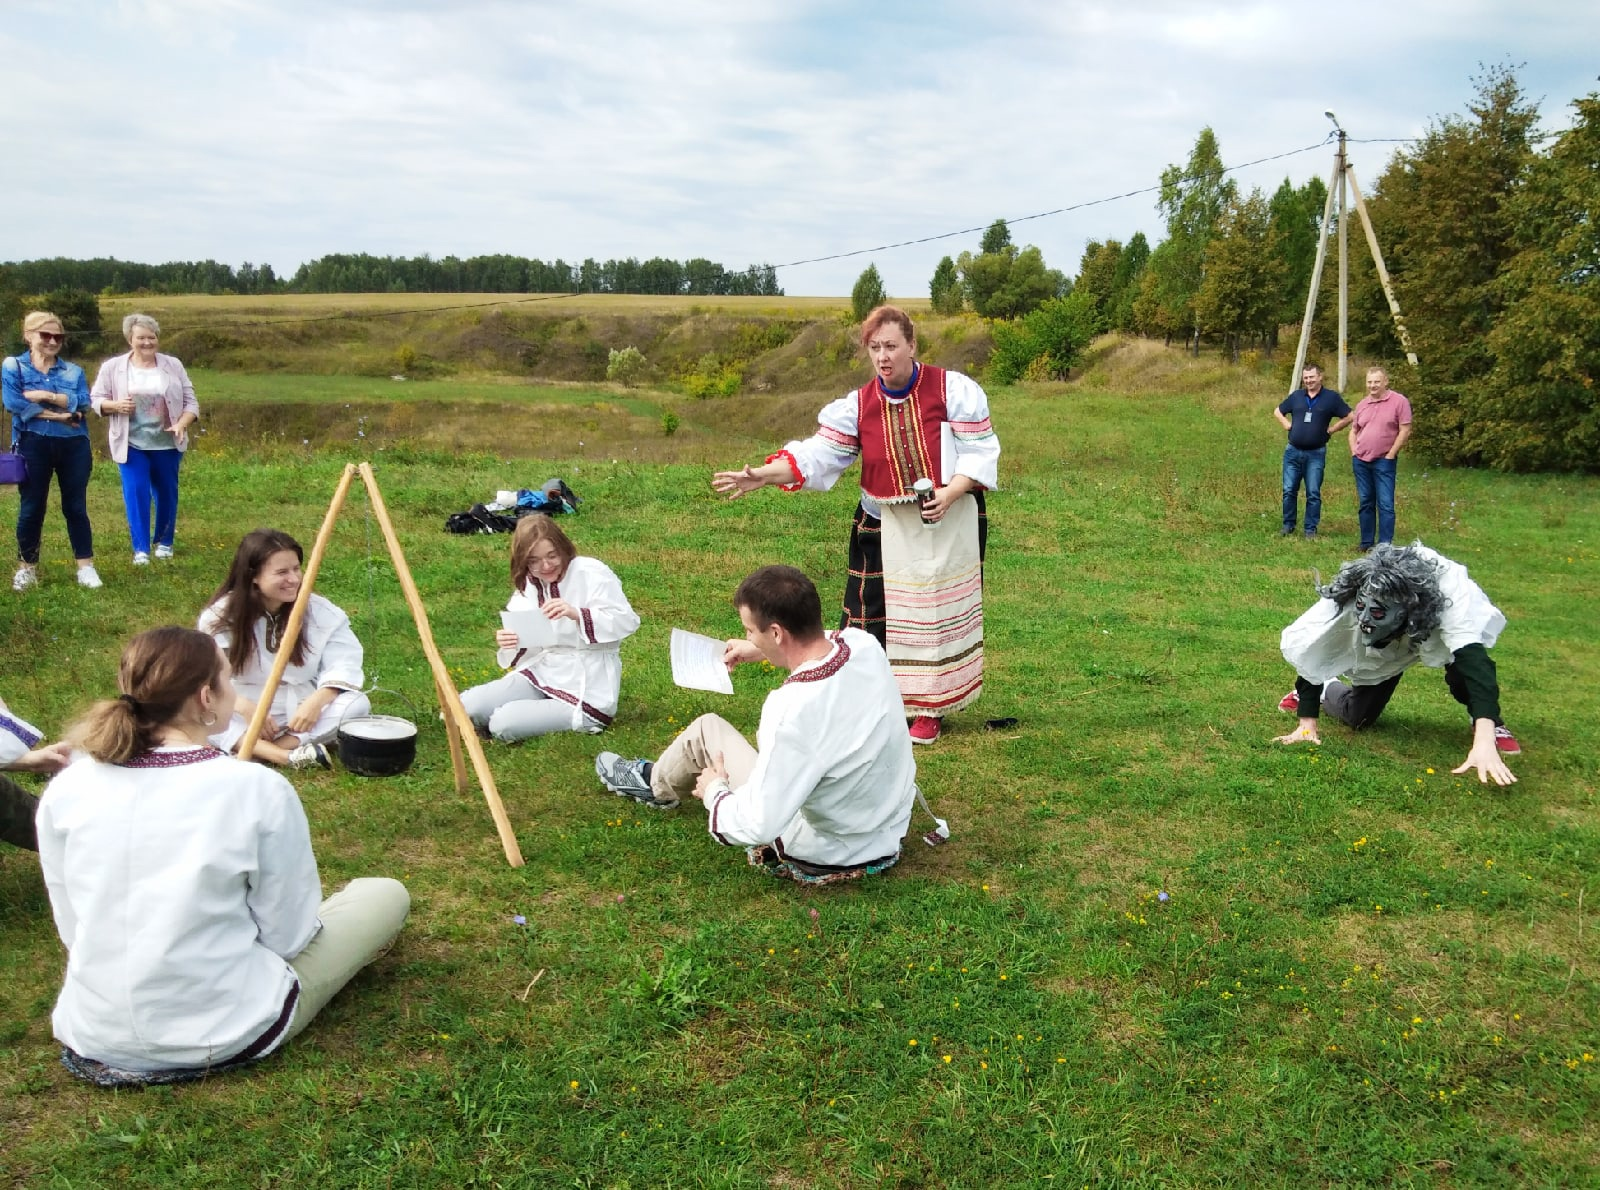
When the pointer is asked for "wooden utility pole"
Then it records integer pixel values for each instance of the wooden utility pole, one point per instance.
(1344, 175)
(1342, 168)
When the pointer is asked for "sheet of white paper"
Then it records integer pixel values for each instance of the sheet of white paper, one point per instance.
(697, 663)
(947, 453)
(532, 629)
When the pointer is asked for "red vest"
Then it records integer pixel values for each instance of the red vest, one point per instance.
(900, 439)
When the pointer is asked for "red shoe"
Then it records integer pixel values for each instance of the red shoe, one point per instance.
(1290, 702)
(1506, 742)
(924, 729)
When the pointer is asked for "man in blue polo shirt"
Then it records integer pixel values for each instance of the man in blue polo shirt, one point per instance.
(1308, 414)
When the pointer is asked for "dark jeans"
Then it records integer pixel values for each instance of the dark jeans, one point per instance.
(1308, 464)
(70, 460)
(17, 808)
(1375, 496)
(1360, 706)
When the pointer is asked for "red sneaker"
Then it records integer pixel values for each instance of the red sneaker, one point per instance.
(1290, 702)
(924, 729)
(1506, 742)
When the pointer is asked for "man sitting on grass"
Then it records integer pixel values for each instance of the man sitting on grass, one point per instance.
(826, 794)
(1382, 614)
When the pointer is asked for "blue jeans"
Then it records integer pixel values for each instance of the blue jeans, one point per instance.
(145, 473)
(1375, 496)
(1310, 464)
(70, 461)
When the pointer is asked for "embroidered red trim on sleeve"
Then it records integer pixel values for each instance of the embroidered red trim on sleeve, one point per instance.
(794, 469)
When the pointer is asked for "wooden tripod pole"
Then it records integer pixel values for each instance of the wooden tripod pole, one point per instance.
(1316, 281)
(441, 676)
(1383, 273)
(297, 615)
(458, 764)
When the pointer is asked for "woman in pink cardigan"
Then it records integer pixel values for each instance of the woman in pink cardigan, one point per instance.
(151, 404)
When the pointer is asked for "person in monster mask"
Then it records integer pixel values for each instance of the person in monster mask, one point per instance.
(1382, 614)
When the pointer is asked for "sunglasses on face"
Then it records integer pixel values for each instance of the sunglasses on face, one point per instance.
(51, 336)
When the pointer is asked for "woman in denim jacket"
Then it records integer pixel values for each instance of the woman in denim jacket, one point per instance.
(46, 397)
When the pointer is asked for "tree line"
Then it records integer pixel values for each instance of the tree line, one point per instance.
(1490, 231)
(362, 273)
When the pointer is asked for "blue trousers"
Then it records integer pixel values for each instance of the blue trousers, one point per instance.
(147, 473)
(1307, 464)
(70, 461)
(1375, 496)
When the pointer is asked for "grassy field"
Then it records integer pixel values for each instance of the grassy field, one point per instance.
(764, 346)
(212, 310)
(1364, 971)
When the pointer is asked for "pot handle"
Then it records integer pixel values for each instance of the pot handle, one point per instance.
(381, 690)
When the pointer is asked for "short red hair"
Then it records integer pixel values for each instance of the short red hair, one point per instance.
(874, 322)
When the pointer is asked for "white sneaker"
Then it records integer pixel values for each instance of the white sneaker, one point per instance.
(140, 558)
(26, 577)
(89, 577)
(163, 551)
(308, 755)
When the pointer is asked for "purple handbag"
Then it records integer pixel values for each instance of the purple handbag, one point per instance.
(13, 467)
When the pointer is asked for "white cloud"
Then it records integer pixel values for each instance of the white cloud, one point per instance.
(241, 129)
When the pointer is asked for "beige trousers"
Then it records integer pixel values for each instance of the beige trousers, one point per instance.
(695, 749)
(358, 924)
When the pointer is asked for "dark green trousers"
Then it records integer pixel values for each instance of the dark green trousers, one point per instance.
(17, 808)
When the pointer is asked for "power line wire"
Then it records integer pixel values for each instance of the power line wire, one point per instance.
(1078, 206)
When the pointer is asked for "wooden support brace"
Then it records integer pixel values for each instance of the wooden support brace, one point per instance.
(1383, 273)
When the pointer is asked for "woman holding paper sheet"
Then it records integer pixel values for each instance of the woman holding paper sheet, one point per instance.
(915, 579)
(323, 680)
(564, 674)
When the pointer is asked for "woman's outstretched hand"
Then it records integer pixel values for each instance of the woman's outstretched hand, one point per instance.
(734, 484)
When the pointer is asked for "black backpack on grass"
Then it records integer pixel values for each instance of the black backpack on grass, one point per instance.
(479, 519)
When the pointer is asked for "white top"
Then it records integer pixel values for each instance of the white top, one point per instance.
(147, 427)
(333, 657)
(1325, 643)
(585, 665)
(834, 777)
(180, 889)
(18, 737)
(824, 456)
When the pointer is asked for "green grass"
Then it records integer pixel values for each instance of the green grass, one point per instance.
(693, 1022)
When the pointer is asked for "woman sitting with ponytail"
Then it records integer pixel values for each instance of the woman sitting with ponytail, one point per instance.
(183, 884)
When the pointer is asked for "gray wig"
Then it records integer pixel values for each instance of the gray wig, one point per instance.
(1398, 578)
(144, 320)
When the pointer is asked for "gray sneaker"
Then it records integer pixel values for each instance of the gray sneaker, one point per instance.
(626, 778)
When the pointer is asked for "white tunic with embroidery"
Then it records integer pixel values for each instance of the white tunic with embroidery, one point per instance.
(834, 778)
(333, 657)
(824, 457)
(1326, 643)
(584, 667)
(18, 737)
(180, 884)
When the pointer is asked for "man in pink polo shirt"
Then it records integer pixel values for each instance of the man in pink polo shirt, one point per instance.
(1381, 427)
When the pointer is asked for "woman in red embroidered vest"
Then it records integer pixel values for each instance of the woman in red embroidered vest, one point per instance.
(184, 887)
(916, 575)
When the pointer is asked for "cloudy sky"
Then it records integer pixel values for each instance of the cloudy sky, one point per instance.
(753, 131)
